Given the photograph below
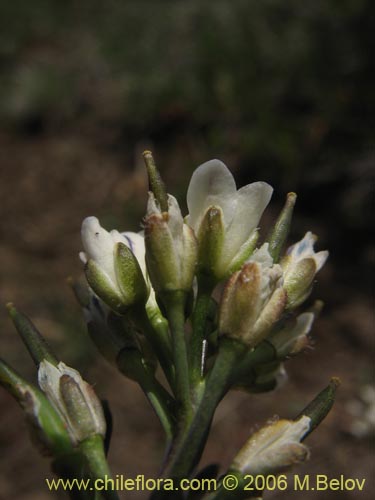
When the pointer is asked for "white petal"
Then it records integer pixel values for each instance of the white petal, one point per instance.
(303, 248)
(211, 184)
(175, 220)
(98, 245)
(152, 205)
(320, 259)
(262, 256)
(251, 200)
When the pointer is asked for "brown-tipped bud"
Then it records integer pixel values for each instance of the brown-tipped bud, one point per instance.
(252, 301)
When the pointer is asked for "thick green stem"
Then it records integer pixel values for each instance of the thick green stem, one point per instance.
(198, 336)
(92, 449)
(190, 446)
(175, 305)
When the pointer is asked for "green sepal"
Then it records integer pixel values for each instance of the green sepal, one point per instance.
(104, 287)
(299, 282)
(129, 276)
(244, 253)
(211, 239)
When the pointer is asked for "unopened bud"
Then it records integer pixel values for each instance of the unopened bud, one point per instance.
(171, 248)
(74, 399)
(299, 268)
(274, 448)
(252, 301)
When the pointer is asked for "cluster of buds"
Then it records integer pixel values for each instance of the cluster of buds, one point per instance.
(204, 297)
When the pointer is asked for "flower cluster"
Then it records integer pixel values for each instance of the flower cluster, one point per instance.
(208, 299)
(215, 243)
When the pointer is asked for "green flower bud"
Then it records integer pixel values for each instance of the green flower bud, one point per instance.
(171, 248)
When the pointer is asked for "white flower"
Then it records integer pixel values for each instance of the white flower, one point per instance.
(212, 186)
(99, 246)
(300, 266)
(115, 274)
(73, 399)
(274, 448)
(304, 249)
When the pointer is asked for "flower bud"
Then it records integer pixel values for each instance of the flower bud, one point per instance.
(274, 448)
(299, 268)
(111, 268)
(47, 429)
(74, 400)
(293, 338)
(253, 300)
(171, 248)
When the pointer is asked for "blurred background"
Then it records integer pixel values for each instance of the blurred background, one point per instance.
(280, 91)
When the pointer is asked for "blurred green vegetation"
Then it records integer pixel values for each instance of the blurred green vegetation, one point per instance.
(283, 89)
(282, 82)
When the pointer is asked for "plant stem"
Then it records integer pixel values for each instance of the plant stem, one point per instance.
(175, 306)
(157, 335)
(93, 450)
(189, 448)
(159, 398)
(199, 330)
